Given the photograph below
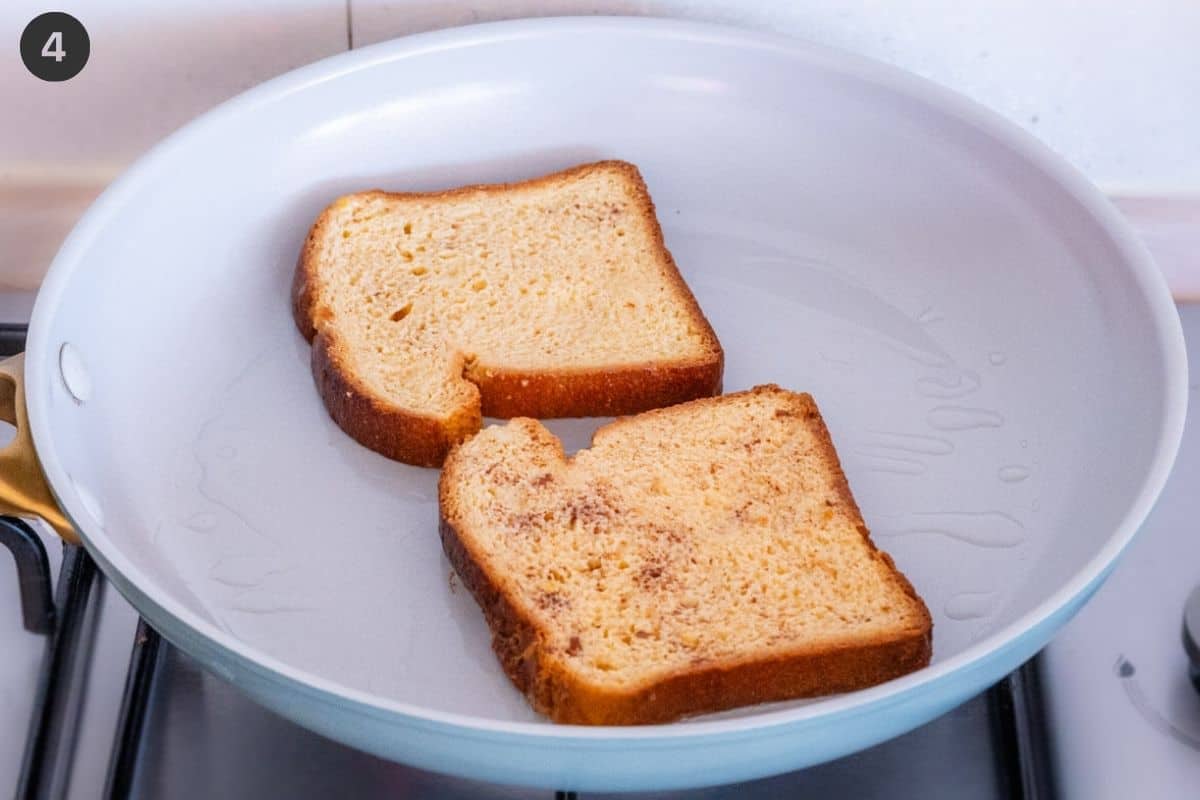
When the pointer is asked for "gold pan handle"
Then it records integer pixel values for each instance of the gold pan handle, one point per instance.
(23, 488)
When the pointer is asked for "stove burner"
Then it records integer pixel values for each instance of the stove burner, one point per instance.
(1125, 670)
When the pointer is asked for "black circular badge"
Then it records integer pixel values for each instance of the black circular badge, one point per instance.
(55, 46)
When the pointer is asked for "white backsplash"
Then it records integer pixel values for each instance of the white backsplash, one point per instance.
(1110, 85)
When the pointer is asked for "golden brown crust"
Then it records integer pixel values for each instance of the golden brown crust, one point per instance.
(302, 282)
(564, 696)
(372, 421)
(395, 433)
(718, 687)
(584, 393)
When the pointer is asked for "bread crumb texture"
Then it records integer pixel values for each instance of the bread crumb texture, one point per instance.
(552, 297)
(694, 558)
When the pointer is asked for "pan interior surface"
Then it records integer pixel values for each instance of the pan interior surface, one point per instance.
(992, 359)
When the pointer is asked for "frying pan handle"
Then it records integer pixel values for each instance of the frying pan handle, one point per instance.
(23, 488)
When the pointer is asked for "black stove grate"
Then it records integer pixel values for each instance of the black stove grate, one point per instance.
(71, 624)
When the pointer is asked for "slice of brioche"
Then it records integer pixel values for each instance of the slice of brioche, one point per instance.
(695, 558)
(550, 298)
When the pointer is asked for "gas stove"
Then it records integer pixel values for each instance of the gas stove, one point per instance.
(94, 703)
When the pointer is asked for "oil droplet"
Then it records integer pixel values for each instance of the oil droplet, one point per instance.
(897, 466)
(883, 441)
(202, 521)
(948, 385)
(1024, 443)
(961, 418)
(969, 605)
(991, 529)
(996, 358)
(1012, 473)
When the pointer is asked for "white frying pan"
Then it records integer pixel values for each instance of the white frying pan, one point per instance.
(998, 360)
